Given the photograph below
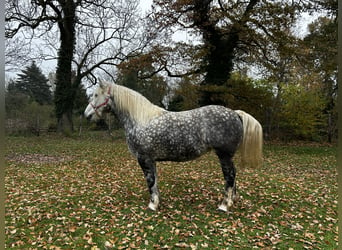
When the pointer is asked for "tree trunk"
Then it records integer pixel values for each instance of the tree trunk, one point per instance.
(330, 130)
(218, 65)
(221, 44)
(65, 124)
(65, 91)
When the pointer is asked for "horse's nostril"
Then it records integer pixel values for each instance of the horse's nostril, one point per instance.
(88, 117)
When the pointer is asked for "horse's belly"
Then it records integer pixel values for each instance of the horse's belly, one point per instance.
(176, 147)
(171, 144)
(179, 152)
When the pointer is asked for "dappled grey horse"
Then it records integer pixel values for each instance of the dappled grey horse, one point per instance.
(155, 134)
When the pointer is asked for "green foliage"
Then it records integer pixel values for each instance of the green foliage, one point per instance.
(322, 60)
(81, 100)
(39, 117)
(298, 115)
(240, 92)
(186, 96)
(301, 112)
(29, 103)
(15, 101)
(253, 96)
(32, 118)
(33, 83)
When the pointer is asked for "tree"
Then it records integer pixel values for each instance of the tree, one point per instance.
(321, 60)
(32, 82)
(301, 111)
(308, 61)
(256, 96)
(28, 103)
(139, 74)
(93, 36)
(14, 99)
(185, 96)
(230, 30)
(16, 53)
(81, 100)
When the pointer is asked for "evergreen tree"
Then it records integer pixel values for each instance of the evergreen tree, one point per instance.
(33, 83)
(81, 100)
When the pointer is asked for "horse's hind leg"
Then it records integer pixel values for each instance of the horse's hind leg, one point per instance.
(149, 168)
(229, 173)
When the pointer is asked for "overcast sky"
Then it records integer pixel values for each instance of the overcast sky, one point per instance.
(145, 4)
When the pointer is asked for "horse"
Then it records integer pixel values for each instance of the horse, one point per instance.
(154, 134)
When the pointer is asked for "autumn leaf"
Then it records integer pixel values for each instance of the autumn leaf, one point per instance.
(98, 200)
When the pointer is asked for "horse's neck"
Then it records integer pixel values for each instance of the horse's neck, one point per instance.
(125, 120)
(133, 108)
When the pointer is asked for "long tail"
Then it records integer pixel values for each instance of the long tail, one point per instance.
(251, 145)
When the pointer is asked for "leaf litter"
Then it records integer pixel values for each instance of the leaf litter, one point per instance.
(98, 200)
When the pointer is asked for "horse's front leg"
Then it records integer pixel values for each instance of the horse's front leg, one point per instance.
(149, 168)
(229, 173)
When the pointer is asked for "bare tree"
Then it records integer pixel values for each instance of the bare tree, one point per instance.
(85, 36)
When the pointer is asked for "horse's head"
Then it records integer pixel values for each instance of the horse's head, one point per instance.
(100, 102)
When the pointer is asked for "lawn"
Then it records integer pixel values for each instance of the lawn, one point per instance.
(89, 192)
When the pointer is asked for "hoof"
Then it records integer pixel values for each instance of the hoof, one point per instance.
(223, 208)
(152, 206)
(154, 203)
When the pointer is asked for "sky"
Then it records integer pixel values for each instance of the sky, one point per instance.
(145, 4)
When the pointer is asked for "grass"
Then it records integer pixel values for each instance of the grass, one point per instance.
(89, 192)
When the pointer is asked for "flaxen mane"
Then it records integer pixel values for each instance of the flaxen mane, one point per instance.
(136, 105)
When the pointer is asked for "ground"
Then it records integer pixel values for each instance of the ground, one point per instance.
(89, 192)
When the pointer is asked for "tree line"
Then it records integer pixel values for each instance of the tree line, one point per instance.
(246, 56)
(29, 102)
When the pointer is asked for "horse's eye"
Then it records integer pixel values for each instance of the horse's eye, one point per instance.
(95, 95)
